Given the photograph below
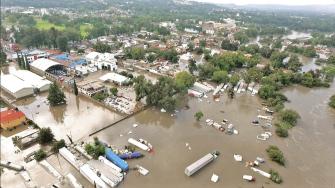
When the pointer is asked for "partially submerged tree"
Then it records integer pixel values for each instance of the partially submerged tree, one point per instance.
(45, 136)
(56, 95)
(75, 88)
(198, 115)
(332, 101)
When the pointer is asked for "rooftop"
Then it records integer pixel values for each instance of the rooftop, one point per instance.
(10, 115)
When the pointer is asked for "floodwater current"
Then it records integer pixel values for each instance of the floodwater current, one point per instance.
(309, 150)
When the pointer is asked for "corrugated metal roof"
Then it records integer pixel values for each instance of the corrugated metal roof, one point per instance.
(13, 83)
(43, 64)
(31, 78)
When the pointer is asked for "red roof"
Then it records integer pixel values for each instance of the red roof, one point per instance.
(10, 115)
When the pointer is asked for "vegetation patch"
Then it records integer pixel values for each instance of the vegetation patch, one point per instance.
(276, 155)
(46, 25)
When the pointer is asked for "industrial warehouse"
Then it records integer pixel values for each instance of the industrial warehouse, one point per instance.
(23, 83)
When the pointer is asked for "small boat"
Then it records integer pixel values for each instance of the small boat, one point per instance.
(163, 110)
(237, 157)
(142, 170)
(235, 131)
(248, 178)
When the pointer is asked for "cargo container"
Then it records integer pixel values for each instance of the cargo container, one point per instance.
(51, 169)
(73, 181)
(194, 167)
(92, 177)
(12, 166)
(109, 164)
(70, 157)
(110, 155)
(133, 155)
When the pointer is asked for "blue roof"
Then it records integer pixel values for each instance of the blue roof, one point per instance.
(78, 62)
(62, 57)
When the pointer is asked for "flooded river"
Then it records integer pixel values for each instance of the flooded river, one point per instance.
(309, 149)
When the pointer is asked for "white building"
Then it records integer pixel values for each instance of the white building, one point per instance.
(33, 79)
(15, 86)
(102, 60)
(115, 78)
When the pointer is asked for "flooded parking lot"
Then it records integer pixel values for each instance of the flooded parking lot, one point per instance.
(78, 118)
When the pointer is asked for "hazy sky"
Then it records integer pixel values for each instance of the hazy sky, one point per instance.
(283, 2)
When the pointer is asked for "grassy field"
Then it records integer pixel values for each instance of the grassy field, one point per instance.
(85, 30)
(45, 25)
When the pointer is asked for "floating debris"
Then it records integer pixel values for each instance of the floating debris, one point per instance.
(135, 125)
(248, 178)
(142, 170)
(215, 178)
(237, 157)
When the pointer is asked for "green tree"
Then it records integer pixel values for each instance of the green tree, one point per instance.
(294, 63)
(39, 155)
(151, 58)
(231, 93)
(276, 155)
(58, 145)
(101, 47)
(45, 136)
(75, 88)
(275, 177)
(3, 57)
(184, 80)
(242, 37)
(220, 76)
(267, 91)
(332, 101)
(234, 79)
(62, 43)
(281, 131)
(289, 116)
(114, 91)
(226, 44)
(56, 95)
(192, 66)
(198, 115)
(190, 46)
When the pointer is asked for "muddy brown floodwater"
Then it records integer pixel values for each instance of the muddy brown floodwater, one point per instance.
(309, 150)
(78, 118)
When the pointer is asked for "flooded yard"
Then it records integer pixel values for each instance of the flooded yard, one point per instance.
(78, 118)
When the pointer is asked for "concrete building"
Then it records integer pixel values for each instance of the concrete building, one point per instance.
(46, 67)
(90, 88)
(11, 119)
(15, 86)
(115, 78)
(102, 60)
(37, 82)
